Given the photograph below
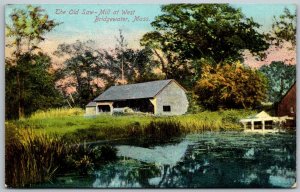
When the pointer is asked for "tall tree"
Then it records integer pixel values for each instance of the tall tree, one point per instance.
(25, 30)
(138, 65)
(87, 66)
(120, 47)
(214, 32)
(129, 65)
(284, 28)
(280, 78)
(38, 85)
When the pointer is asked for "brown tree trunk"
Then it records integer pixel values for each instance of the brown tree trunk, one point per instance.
(163, 63)
(20, 97)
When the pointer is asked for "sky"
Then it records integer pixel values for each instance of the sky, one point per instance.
(84, 22)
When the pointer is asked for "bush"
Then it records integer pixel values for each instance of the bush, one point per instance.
(230, 86)
(194, 106)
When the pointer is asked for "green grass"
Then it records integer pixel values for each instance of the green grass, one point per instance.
(44, 144)
(37, 157)
(56, 113)
(227, 120)
(67, 124)
(73, 122)
(30, 157)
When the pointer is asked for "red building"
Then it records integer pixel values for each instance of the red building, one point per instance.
(287, 106)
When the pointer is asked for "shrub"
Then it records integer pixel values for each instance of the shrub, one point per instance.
(230, 86)
(194, 106)
(134, 130)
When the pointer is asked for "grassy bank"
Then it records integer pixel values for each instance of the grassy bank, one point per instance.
(48, 143)
(74, 123)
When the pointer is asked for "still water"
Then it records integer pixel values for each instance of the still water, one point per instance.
(208, 160)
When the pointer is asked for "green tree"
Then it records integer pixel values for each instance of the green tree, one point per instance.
(27, 29)
(138, 65)
(280, 78)
(87, 66)
(230, 86)
(212, 32)
(129, 65)
(24, 31)
(284, 28)
(39, 92)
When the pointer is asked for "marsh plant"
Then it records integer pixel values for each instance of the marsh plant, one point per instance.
(163, 129)
(84, 158)
(56, 113)
(37, 157)
(31, 157)
(51, 142)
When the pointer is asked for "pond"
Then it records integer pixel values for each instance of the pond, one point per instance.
(208, 160)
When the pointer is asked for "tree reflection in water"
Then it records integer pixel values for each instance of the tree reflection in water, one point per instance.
(219, 160)
(209, 160)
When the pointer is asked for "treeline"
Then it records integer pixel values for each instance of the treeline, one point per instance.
(199, 45)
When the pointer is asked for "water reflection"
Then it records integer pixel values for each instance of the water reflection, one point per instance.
(215, 160)
(165, 155)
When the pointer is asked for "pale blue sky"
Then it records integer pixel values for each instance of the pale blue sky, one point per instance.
(264, 13)
(83, 27)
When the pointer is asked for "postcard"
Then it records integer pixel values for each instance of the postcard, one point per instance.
(150, 95)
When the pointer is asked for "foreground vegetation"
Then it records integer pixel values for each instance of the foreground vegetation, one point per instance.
(54, 142)
(37, 157)
(72, 122)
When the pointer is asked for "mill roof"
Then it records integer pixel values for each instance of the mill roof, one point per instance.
(91, 104)
(134, 91)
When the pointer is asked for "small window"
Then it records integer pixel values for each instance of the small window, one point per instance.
(166, 108)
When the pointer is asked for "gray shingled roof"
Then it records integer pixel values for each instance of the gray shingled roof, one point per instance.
(91, 104)
(133, 91)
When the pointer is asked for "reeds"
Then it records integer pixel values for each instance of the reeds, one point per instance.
(162, 129)
(46, 145)
(107, 127)
(31, 157)
(56, 113)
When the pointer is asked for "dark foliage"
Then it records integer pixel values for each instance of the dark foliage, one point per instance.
(280, 79)
(162, 130)
(185, 33)
(30, 85)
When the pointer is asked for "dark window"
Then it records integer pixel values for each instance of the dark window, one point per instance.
(167, 108)
(104, 108)
(269, 125)
(257, 125)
